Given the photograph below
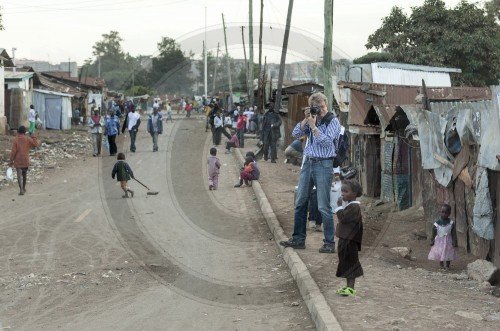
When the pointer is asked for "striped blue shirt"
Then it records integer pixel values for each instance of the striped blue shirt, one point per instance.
(325, 144)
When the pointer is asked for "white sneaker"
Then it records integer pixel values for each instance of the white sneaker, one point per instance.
(312, 224)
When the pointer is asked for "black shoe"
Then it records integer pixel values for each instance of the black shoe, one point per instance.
(293, 243)
(273, 161)
(327, 249)
(237, 185)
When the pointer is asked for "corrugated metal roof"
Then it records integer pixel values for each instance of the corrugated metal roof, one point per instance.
(53, 93)
(18, 75)
(413, 67)
(365, 95)
(409, 74)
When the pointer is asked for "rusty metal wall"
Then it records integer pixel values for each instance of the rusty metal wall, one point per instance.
(296, 102)
(372, 170)
(16, 108)
(416, 176)
(362, 98)
(494, 180)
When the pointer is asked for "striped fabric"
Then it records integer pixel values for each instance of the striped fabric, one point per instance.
(323, 146)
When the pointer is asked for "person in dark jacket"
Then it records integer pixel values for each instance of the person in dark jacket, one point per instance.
(350, 234)
(123, 173)
(271, 133)
(155, 127)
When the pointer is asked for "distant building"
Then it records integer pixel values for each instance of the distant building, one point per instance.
(44, 66)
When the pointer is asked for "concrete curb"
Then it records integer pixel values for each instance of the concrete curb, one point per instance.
(319, 309)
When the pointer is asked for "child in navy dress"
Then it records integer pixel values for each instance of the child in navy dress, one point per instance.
(350, 233)
(444, 239)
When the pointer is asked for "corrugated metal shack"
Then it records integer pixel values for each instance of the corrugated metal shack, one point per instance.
(388, 162)
(459, 146)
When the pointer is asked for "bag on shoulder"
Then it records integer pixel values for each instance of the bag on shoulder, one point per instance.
(342, 148)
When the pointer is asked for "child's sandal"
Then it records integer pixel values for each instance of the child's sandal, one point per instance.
(347, 291)
(341, 290)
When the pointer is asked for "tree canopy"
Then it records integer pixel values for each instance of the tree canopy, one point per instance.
(464, 37)
(171, 69)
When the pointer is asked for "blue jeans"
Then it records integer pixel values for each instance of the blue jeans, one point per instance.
(319, 174)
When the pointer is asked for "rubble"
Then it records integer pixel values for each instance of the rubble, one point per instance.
(482, 270)
(50, 154)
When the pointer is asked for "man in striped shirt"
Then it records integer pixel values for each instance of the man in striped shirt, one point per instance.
(322, 128)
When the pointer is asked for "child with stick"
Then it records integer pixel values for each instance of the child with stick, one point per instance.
(123, 173)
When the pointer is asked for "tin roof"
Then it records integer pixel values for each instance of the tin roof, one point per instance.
(18, 75)
(365, 95)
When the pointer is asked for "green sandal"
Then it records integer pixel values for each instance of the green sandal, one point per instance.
(345, 291)
(341, 290)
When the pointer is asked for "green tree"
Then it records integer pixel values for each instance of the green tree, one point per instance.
(493, 8)
(464, 37)
(212, 62)
(1, 25)
(171, 69)
(111, 62)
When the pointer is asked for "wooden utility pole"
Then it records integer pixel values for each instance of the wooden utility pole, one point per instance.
(245, 55)
(261, 78)
(230, 103)
(327, 52)
(250, 64)
(277, 103)
(215, 70)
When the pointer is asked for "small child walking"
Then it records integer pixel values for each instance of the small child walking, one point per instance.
(350, 234)
(123, 173)
(213, 169)
(444, 239)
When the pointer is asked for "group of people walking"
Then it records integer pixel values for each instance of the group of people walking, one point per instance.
(110, 126)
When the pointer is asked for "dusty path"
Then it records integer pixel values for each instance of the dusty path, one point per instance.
(395, 293)
(75, 255)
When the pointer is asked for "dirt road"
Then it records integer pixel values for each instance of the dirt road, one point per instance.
(76, 256)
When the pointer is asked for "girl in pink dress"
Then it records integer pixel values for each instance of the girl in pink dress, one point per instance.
(444, 239)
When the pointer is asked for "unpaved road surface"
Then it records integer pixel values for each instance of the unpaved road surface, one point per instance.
(394, 293)
(76, 256)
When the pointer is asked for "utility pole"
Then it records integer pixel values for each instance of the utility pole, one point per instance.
(69, 67)
(277, 103)
(205, 55)
(215, 70)
(261, 78)
(228, 66)
(245, 55)
(99, 67)
(250, 64)
(14, 58)
(327, 52)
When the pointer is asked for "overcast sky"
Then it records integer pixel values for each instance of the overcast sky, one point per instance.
(58, 30)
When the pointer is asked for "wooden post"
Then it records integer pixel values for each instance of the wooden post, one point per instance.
(277, 103)
(250, 64)
(327, 52)
(228, 67)
(245, 55)
(215, 70)
(261, 77)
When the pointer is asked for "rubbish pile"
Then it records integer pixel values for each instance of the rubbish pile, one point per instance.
(52, 153)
